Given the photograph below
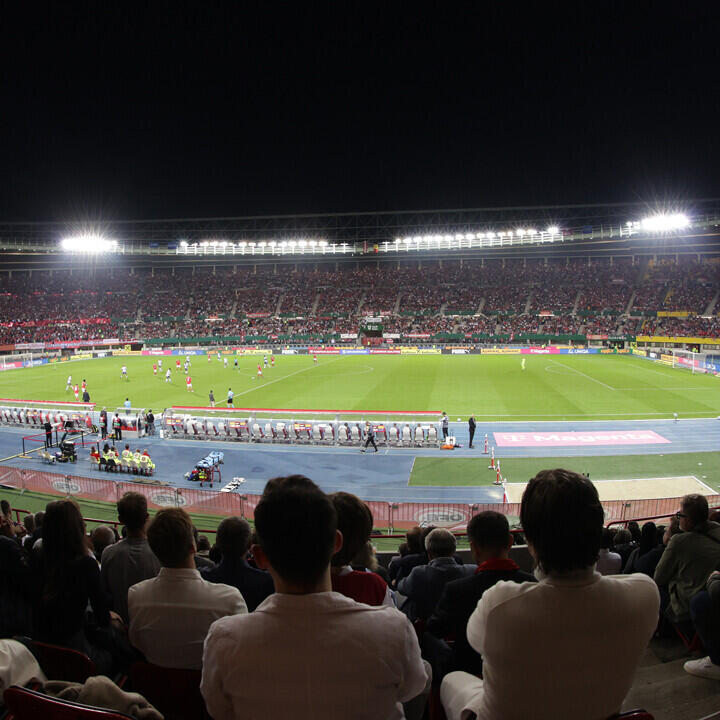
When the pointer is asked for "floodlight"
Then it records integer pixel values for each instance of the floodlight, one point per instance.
(664, 222)
(519, 232)
(554, 229)
(532, 231)
(491, 235)
(407, 240)
(323, 243)
(448, 238)
(88, 243)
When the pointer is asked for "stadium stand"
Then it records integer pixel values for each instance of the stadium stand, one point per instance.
(491, 299)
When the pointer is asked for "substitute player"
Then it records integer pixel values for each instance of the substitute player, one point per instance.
(168, 376)
(188, 382)
(123, 372)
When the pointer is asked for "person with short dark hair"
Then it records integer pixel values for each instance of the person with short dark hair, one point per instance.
(689, 558)
(131, 560)
(327, 649)
(369, 437)
(557, 634)
(608, 563)
(100, 538)
(490, 542)
(233, 542)
(471, 429)
(425, 583)
(415, 555)
(355, 522)
(170, 614)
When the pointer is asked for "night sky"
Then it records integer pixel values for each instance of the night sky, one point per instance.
(122, 110)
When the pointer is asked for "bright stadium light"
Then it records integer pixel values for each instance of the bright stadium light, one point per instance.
(664, 222)
(89, 243)
(553, 230)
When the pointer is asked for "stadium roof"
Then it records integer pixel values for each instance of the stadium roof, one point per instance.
(695, 223)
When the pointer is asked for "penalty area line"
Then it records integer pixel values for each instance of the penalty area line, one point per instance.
(579, 372)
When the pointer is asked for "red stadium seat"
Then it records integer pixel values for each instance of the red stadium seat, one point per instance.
(174, 692)
(59, 663)
(26, 704)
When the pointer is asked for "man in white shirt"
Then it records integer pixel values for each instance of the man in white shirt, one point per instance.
(170, 614)
(306, 650)
(567, 646)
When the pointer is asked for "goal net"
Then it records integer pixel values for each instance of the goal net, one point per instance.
(688, 360)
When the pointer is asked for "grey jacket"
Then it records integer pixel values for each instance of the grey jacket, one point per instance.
(684, 567)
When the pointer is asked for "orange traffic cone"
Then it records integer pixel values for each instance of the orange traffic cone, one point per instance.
(491, 466)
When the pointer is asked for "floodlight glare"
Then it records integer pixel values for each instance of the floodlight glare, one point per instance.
(553, 230)
(665, 222)
(88, 244)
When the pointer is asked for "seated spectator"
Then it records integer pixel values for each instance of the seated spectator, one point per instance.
(30, 539)
(490, 542)
(647, 563)
(366, 560)
(15, 585)
(201, 558)
(425, 583)
(131, 560)
(415, 555)
(689, 558)
(355, 522)
(402, 552)
(705, 614)
(67, 578)
(233, 542)
(608, 563)
(648, 541)
(327, 648)
(623, 544)
(170, 614)
(533, 630)
(100, 538)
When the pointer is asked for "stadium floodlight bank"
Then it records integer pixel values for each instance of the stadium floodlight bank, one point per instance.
(332, 427)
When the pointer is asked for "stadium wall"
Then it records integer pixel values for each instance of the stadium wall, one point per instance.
(390, 516)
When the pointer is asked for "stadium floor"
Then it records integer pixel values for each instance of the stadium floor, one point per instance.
(383, 475)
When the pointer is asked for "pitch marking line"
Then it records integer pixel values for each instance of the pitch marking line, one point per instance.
(412, 467)
(284, 377)
(579, 372)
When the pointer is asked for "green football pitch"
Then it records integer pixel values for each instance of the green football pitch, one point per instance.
(559, 387)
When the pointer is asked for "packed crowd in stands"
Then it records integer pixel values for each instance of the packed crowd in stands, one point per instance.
(214, 301)
(305, 590)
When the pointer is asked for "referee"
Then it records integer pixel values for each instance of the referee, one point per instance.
(369, 437)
